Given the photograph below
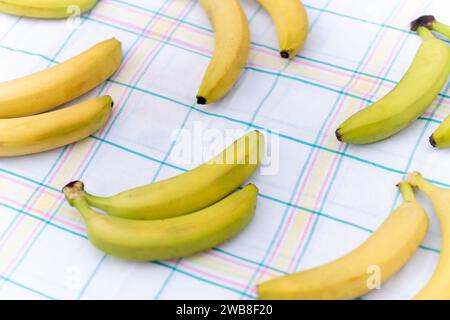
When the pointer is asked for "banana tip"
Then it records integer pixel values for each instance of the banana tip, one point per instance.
(339, 135)
(423, 21)
(433, 142)
(201, 100)
(284, 54)
(411, 178)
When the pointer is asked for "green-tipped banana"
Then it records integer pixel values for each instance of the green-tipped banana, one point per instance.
(365, 268)
(409, 100)
(170, 238)
(438, 287)
(441, 137)
(190, 191)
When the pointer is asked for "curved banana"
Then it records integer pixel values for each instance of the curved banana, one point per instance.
(291, 22)
(383, 254)
(441, 137)
(411, 97)
(190, 191)
(42, 132)
(48, 9)
(438, 288)
(231, 48)
(169, 238)
(64, 82)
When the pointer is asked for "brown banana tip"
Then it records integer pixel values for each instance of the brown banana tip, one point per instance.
(423, 21)
(201, 100)
(284, 54)
(73, 190)
(433, 141)
(338, 135)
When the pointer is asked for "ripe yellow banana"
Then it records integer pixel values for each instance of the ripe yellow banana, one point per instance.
(438, 288)
(291, 23)
(384, 253)
(42, 132)
(231, 50)
(404, 104)
(441, 137)
(190, 191)
(169, 238)
(49, 9)
(64, 82)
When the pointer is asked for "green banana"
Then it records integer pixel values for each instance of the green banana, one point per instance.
(169, 238)
(190, 191)
(410, 99)
(441, 137)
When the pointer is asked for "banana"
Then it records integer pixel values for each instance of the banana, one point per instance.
(169, 238)
(48, 9)
(404, 104)
(232, 47)
(438, 288)
(33, 134)
(190, 191)
(384, 253)
(441, 137)
(291, 22)
(64, 82)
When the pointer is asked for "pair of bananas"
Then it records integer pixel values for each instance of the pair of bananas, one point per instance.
(46, 9)
(383, 254)
(422, 83)
(232, 44)
(25, 129)
(178, 217)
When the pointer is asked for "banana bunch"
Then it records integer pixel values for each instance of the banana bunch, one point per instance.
(232, 41)
(180, 216)
(383, 254)
(438, 288)
(421, 84)
(441, 137)
(26, 129)
(47, 9)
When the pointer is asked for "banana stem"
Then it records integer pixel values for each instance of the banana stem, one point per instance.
(442, 28)
(406, 191)
(75, 195)
(425, 33)
(416, 180)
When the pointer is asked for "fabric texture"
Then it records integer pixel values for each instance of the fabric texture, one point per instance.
(324, 200)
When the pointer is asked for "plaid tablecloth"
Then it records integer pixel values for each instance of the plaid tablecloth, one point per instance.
(325, 199)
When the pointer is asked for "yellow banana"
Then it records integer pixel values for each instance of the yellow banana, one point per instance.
(438, 288)
(231, 48)
(441, 137)
(64, 82)
(169, 238)
(48, 9)
(42, 132)
(410, 99)
(383, 254)
(190, 191)
(291, 22)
